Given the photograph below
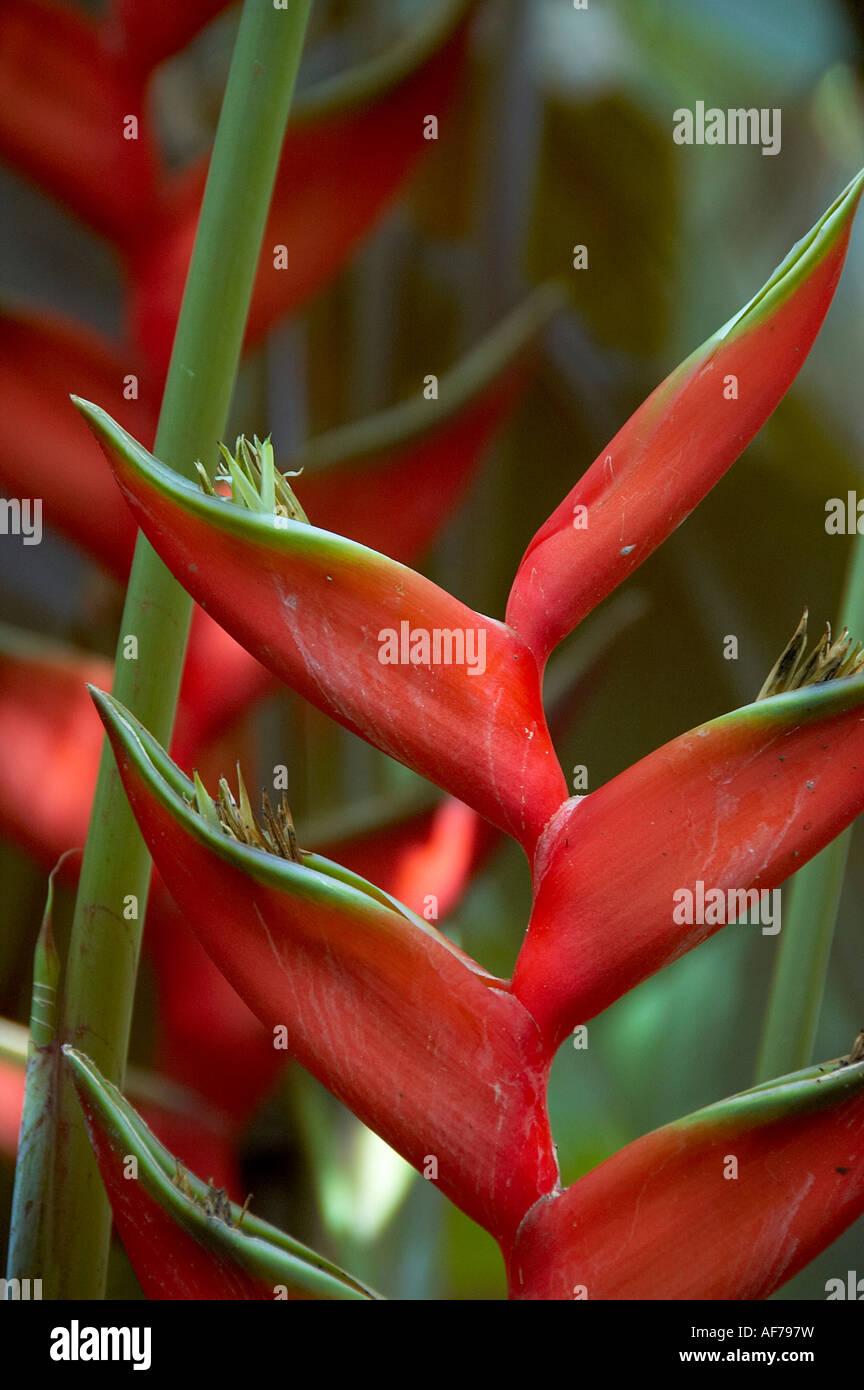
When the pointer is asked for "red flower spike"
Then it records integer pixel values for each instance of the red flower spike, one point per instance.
(349, 147)
(680, 442)
(664, 1218)
(739, 803)
(379, 1006)
(185, 1240)
(313, 607)
(65, 130)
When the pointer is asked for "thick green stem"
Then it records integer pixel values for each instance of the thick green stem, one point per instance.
(109, 916)
(793, 1010)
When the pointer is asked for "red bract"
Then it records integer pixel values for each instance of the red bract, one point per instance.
(680, 441)
(370, 999)
(728, 1203)
(183, 1237)
(739, 803)
(318, 610)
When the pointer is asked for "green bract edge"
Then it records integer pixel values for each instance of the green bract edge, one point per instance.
(260, 1248)
(796, 265)
(791, 708)
(292, 537)
(315, 878)
(813, 1088)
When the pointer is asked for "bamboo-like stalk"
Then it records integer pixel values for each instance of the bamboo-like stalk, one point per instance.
(792, 1016)
(106, 933)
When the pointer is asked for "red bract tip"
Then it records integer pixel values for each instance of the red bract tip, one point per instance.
(728, 1203)
(680, 442)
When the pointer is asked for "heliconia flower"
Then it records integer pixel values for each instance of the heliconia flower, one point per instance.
(735, 805)
(349, 147)
(184, 1238)
(728, 1203)
(680, 441)
(64, 129)
(450, 693)
(371, 999)
(422, 850)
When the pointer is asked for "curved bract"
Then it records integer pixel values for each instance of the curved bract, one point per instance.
(680, 441)
(183, 1237)
(338, 623)
(739, 803)
(727, 1203)
(375, 1002)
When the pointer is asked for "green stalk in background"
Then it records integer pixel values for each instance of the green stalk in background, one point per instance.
(792, 1016)
(106, 935)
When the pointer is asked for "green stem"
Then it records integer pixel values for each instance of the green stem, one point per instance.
(798, 986)
(104, 947)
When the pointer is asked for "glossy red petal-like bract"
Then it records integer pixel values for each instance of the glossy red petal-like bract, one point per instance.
(182, 1239)
(727, 1204)
(739, 803)
(679, 442)
(401, 1026)
(322, 613)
